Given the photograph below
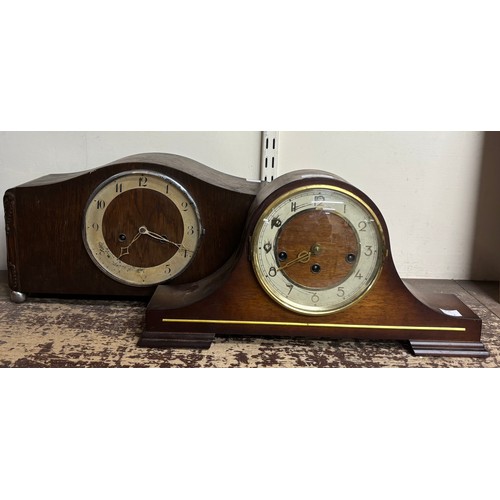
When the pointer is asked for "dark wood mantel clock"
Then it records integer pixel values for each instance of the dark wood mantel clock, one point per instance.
(122, 229)
(314, 261)
(306, 255)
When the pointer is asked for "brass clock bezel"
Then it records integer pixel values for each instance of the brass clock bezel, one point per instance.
(109, 263)
(279, 297)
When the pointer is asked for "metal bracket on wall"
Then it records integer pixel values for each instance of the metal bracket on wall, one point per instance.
(269, 156)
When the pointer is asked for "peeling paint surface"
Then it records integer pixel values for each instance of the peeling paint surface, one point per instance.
(83, 333)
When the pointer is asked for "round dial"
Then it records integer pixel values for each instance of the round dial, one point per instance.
(317, 249)
(141, 228)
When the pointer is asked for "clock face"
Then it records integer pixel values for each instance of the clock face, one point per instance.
(317, 249)
(141, 228)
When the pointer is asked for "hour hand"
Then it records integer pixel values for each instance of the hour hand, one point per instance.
(125, 250)
(302, 257)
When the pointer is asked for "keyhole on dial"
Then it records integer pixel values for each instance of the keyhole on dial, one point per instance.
(315, 268)
(122, 237)
(282, 256)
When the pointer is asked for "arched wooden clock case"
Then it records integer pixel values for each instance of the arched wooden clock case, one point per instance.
(326, 254)
(306, 255)
(119, 230)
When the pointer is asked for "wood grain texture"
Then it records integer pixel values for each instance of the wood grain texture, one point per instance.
(46, 254)
(330, 255)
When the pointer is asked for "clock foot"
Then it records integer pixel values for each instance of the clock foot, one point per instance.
(447, 348)
(172, 340)
(17, 297)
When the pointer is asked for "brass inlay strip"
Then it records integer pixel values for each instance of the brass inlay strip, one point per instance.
(320, 325)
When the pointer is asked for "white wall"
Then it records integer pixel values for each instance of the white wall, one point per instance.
(425, 183)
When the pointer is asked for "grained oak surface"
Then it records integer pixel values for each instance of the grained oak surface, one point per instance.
(45, 248)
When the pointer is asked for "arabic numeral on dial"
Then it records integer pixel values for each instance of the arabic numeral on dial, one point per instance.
(184, 206)
(362, 225)
(293, 206)
(341, 292)
(314, 298)
(100, 204)
(358, 275)
(190, 230)
(118, 187)
(143, 181)
(167, 268)
(368, 251)
(290, 288)
(272, 272)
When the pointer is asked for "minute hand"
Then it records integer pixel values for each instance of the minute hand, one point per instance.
(159, 237)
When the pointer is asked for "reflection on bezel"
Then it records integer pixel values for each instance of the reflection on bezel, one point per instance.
(280, 287)
(110, 263)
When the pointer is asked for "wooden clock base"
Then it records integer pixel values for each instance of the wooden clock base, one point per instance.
(232, 304)
(437, 348)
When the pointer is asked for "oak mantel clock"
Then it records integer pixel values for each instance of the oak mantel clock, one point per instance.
(314, 261)
(122, 229)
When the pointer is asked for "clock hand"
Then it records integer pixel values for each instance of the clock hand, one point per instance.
(302, 257)
(159, 237)
(144, 230)
(124, 250)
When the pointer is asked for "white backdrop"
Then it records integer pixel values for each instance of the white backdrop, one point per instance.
(428, 185)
